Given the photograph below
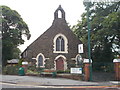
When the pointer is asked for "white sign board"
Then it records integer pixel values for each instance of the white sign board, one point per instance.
(80, 48)
(24, 63)
(76, 70)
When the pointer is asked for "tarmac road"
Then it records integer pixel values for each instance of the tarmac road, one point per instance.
(12, 81)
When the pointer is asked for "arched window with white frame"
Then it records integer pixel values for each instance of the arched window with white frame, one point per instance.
(40, 60)
(79, 60)
(60, 44)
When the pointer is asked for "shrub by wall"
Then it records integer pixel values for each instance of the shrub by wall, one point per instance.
(11, 70)
(103, 66)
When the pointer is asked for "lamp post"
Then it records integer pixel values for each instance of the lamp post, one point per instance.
(89, 47)
(87, 3)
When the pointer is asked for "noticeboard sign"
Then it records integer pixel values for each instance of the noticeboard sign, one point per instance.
(80, 48)
(76, 70)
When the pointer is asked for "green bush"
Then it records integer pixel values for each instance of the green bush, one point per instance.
(67, 71)
(11, 70)
(61, 71)
(20, 62)
(32, 72)
(32, 68)
(39, 70)
(103, 66)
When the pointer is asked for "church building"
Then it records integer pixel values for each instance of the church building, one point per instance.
(56, 48)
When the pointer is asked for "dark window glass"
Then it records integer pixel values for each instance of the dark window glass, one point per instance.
(40, 61)
(57, 44)
(79, 61)
(60, 44)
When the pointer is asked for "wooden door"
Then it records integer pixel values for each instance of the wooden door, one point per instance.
(60, 64)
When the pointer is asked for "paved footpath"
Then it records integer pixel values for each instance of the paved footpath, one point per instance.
(54, 82)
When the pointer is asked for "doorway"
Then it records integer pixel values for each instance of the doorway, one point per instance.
(60, 63)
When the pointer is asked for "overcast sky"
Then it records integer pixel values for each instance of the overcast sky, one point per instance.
(39, 14)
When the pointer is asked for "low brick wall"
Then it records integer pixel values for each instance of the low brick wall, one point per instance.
(71, 76)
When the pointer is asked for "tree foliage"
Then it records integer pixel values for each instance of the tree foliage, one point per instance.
(105, 30)
(13, 28)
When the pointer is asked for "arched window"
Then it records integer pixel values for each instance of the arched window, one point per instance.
(60, 44)
(79, 61)
(40, 61)
(59, 14)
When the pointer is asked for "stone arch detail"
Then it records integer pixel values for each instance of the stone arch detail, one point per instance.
(40, 54)
(62, 13)
(64, 60)
(65, 43)
(76, 58)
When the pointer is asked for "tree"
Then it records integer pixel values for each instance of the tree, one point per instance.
(13, 27)
(105, 30)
